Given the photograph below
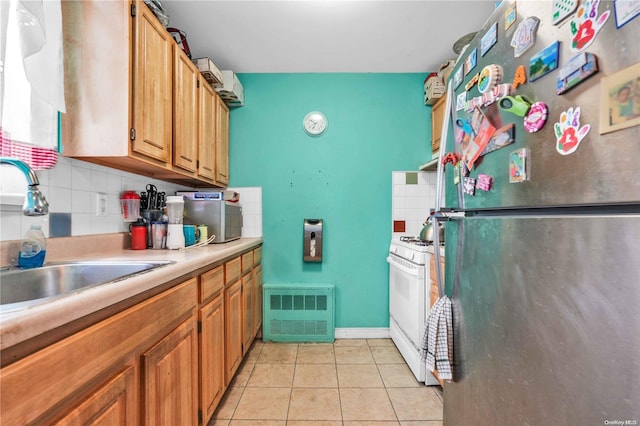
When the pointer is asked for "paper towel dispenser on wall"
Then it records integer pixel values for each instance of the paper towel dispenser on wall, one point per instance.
(312, 240)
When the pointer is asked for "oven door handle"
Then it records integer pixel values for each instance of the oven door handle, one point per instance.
(413, 272)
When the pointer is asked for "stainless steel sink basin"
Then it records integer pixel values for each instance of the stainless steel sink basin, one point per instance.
(20, 288)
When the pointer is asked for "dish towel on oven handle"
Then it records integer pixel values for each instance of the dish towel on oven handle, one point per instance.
(437, 342)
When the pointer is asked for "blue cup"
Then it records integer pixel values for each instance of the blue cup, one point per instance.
(191, 234)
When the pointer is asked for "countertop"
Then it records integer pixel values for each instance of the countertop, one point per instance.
(21, 325)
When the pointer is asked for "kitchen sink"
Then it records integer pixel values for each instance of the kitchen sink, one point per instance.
(20, 288)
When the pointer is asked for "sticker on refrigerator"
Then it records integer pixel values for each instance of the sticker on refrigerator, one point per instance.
(471, 61)
(510, 16)
(586, 25)
(577, 70)
(525, 35)
(489, 39)
(562, 9)
(456, 173)
(568, 132)
(545, 61)
(519, 165)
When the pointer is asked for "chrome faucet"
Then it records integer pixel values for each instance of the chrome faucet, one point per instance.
(34, 202)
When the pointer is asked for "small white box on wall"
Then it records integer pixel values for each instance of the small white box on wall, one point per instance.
(231, 92)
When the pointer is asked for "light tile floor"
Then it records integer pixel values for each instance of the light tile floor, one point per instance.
(352, 382)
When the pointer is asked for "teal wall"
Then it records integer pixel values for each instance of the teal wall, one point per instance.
(378, 123)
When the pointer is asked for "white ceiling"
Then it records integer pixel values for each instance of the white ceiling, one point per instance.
(326, 36)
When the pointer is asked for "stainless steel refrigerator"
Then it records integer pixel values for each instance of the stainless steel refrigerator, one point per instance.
(544, 273)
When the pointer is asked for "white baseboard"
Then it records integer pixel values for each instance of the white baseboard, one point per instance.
(362, 333)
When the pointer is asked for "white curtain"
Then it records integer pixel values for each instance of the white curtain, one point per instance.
(32, 79)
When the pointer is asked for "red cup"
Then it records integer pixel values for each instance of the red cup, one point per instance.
(138, 235)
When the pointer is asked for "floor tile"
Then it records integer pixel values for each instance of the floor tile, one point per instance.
(254, 352)
(280, 353)
(380, 342)
(228, 404)
(350, 342)
(315, 376)
(387, 355)
(366, 404)
(359, 376)
(316, 354)
(242, 375)
(258, 423)
(263, 404)
(421, 423)
(314, 423)
(416, 403)
(353, 355)
(371, 423)
(314, 404)
(218, 422)
(272, 376)
(398, 376)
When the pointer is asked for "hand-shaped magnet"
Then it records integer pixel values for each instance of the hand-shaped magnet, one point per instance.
(569, 134)
(586, 24)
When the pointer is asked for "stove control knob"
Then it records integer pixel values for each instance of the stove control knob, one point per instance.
(413, 256)
(393, 249)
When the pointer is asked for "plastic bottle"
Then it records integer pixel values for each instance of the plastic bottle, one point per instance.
(33, 249)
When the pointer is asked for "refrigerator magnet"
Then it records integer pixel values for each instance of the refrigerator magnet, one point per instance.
(577, 70)
(536, 118)
(510, 16)
(624, 11)
(519, 165)
(568, 132)
(489, 39)
(545, 61)
(469, 186)
(484, 182)
(586, 25)
(490, 76)
(562, 9)
(520, 77)
(456, 173)
(502, 137)
(461, 101)
(525, 35)
(458, 77)
(471, 61)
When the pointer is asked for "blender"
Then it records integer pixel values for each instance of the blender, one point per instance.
(175, 212)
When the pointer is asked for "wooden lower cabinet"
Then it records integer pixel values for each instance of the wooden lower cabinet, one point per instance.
(257, 305)
(233, 329)
(212, 350)
(248, 314)
(170, 378)
(113, 404)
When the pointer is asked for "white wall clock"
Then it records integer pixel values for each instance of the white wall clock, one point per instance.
(315, 123)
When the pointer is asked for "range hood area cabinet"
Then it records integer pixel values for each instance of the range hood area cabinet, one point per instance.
(134, 99)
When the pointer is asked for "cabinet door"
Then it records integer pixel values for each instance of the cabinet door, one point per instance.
(185, 112)
(437, 118)
(222, 144)
(232, 329)
(152, 86)
(257, 305)
(113, 404)
(211, 355)
(207, 129)
(248, 325)
(170, 378)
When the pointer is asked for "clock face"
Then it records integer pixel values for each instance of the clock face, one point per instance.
(315, 123)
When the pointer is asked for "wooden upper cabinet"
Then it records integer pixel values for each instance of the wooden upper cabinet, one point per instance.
(437, 119)
(222, 144)
(152, 72)
(185, 112)
(207, 132)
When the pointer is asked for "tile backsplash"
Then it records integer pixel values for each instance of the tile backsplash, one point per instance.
(413, 195)
(71, 188)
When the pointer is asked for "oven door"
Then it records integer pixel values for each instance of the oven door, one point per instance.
(407, 297)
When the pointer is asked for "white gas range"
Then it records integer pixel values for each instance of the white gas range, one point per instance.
(409, 300)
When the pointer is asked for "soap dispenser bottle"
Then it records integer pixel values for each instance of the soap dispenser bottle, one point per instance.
(33, 248)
